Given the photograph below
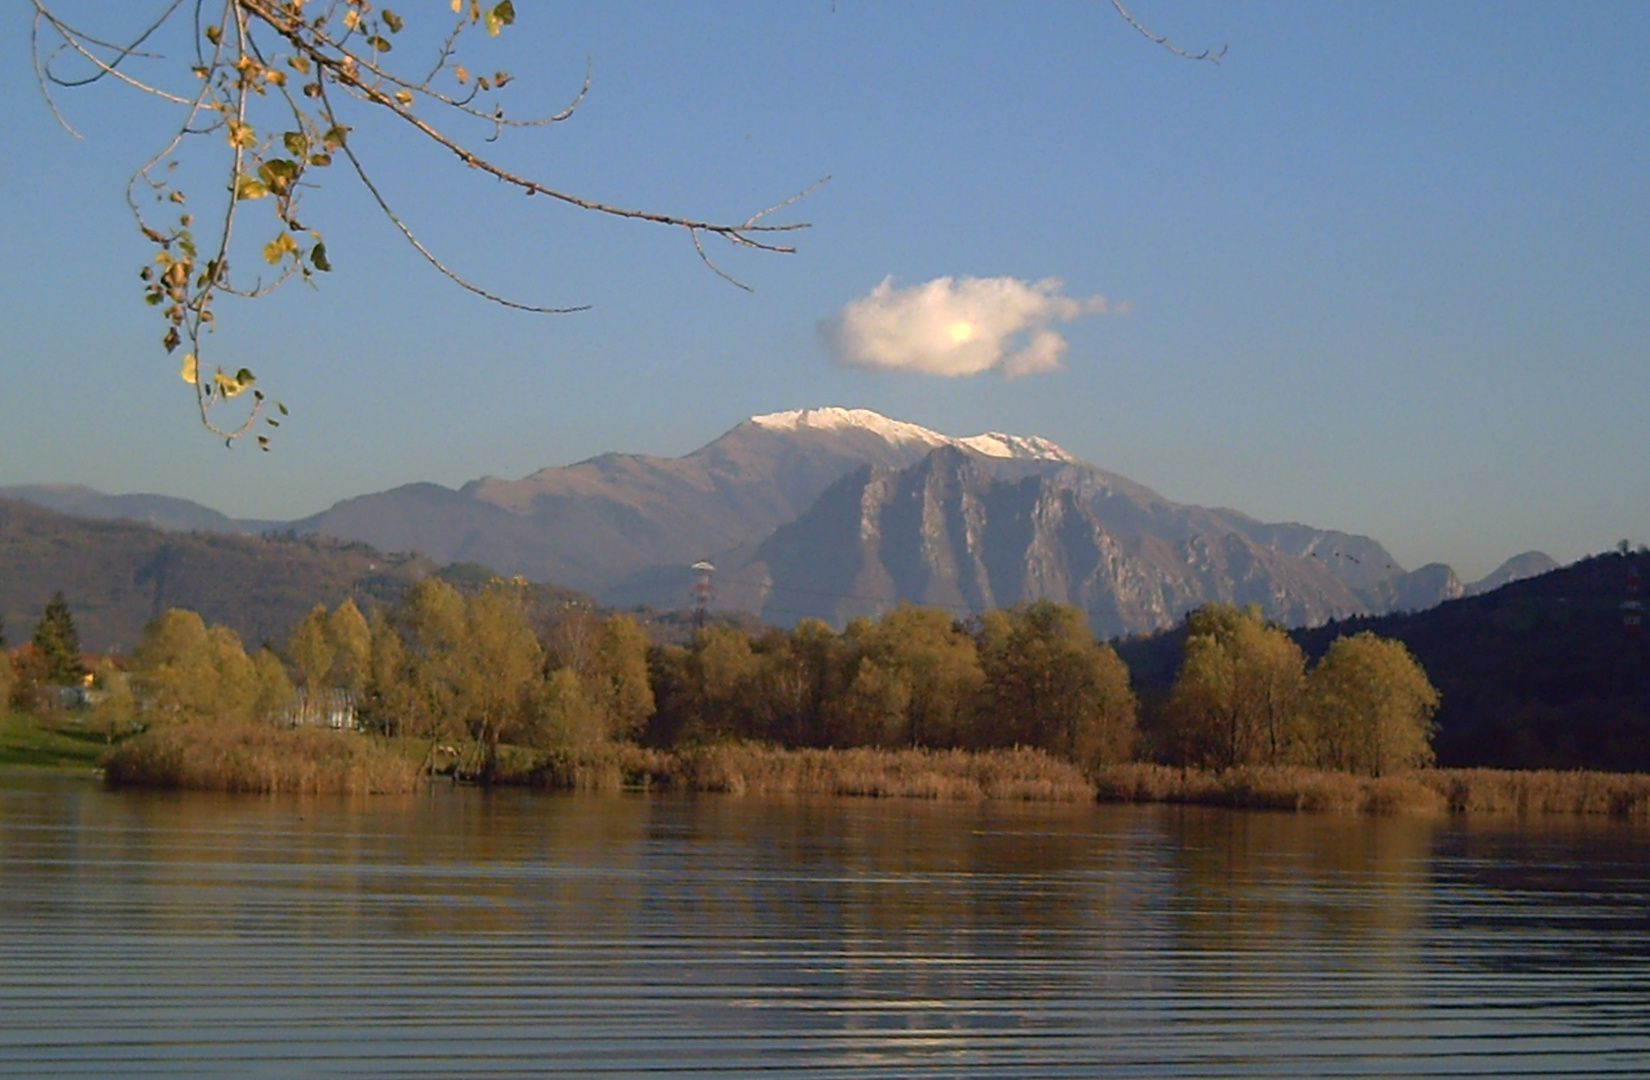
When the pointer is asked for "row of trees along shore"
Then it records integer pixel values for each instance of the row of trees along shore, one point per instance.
(477, 672)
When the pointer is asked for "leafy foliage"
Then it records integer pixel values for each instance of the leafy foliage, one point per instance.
(1237, 699)
(1049, 684)
(1243, 698)
(1370, 708)
(57, 644)
(184, 671)
(1033, 676)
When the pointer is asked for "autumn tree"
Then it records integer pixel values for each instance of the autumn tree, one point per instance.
(1237, 699)
(1049, 684)
(331, 650)
(351, 640)
(619, 683)
(796, 679)
(429, 627)
(914, 674)
(562, 716)
(1371, 707)
(310, 650)
(276, 696)
(184, 671)
(702, 690)
(267, 102)
(389, 701)
(57, 643)
(497, 667)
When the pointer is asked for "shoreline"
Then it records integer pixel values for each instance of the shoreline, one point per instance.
(257, 758)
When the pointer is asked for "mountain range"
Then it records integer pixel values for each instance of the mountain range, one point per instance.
(836, 512)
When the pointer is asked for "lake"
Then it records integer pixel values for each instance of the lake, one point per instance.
(469, 933)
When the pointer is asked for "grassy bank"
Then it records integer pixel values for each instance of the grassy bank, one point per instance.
(224, 756)
(1424, 791)
(760, 769)
(30, 742)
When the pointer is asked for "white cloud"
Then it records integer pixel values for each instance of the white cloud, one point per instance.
(957, 326)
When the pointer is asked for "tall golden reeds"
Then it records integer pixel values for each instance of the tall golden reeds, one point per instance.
(256, 757)
(1423, 791)
(760, 769)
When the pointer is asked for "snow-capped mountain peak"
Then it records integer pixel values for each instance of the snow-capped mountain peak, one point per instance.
(990, 444)
(997, 444)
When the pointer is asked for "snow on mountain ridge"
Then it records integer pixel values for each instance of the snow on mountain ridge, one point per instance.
(997, 444)
(990, 444)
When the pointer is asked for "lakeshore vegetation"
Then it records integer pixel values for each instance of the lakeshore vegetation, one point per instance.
(1021, 703)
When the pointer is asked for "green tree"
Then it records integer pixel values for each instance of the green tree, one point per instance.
(563, 716)
(184, 671)
(1049, 684)
(914, 674)
(1238, 696)
(58, 644)
(1371, 707)
(874, 708)
(28, 677)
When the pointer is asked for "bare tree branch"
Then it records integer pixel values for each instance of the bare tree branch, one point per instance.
(1207, 54)
(319, 46)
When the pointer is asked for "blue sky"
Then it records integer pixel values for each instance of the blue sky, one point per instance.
(1386, 267)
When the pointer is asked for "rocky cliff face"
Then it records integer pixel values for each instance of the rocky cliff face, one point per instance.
(628, 525)
(1416, 590)
(947, 532)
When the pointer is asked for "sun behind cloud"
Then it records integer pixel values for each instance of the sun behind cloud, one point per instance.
(957, 326)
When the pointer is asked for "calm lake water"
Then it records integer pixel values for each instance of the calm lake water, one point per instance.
(461, 933)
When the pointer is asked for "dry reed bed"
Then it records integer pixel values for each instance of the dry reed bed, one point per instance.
(252, 757)
(1545, 791)
(1425, 791)
(758, 769)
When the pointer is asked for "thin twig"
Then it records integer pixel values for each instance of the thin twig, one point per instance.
(345, 75)
(1207, 54)
(429, 256)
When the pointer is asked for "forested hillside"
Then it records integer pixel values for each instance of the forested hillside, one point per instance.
(117, 575)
